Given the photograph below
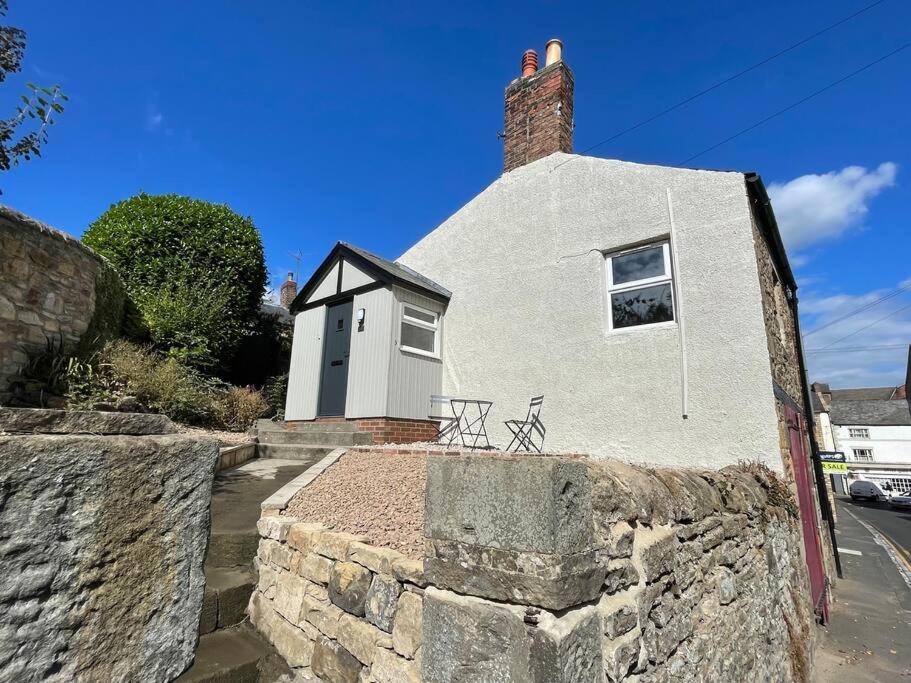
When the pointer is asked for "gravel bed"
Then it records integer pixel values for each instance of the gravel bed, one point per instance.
(375, 495)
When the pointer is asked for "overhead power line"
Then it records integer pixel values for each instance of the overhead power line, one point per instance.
(793, 105)
(725, 81)
(858, 349)
(860, 309)
(861, 329)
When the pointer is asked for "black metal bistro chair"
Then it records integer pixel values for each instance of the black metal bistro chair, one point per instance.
(525, 432)
(441, 411)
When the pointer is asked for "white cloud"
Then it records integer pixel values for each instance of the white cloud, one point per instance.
(813, 207)
(154, 119)
(886, 324)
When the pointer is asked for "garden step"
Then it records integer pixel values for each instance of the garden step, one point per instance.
(306, 453)
(236, 655)
(232, 548)
(317, 438)
(228, 591)
(270, 426)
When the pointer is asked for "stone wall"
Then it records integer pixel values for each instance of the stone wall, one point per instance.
(336, 607)
(51, 285)
(551, 569)
(103, 534)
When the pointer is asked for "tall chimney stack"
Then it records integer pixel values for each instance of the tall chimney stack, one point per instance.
(288, 291)
(539, 109)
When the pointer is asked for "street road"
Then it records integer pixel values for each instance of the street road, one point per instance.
(893, 523)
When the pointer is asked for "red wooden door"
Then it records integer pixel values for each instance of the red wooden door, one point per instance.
(805, 499)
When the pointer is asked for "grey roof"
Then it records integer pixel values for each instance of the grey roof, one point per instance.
(870, 412)
(399, 271)
(870, 394)
(282, 313)
(816, 403)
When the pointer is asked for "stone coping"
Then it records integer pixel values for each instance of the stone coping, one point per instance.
(278, 501)
(45, 421)
(232, 456)
(21, 220)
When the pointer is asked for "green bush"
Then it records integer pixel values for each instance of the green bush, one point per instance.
(274, 391)
(195, 270)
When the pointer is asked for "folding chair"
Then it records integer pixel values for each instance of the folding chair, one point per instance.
(523, 431)
(441, 411)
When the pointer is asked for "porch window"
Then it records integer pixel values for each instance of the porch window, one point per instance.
(863, 454)
(640, 286)
(420, 331)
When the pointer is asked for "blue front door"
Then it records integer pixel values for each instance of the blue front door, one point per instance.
(336, 345)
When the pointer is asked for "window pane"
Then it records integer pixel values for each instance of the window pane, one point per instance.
(642, 306)
(420, 315)
(417, 337)
(638, 265)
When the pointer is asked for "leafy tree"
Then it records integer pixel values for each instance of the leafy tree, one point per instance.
(38, 107)
(195, 270)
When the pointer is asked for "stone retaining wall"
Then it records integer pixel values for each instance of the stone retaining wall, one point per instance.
(51, 285)
(552, 569)
(335, 606)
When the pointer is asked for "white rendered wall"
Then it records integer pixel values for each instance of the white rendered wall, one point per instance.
(306, 357)
(890, 444)
(523, 260)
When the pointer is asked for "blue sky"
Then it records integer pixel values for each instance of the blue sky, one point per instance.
(374, 122)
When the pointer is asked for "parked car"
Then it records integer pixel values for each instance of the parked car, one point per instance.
(901, 501)
(867, 490)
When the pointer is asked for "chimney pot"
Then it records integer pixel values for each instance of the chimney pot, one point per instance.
(554, 52)
(529, 63)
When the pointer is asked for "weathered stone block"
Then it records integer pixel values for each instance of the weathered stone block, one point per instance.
(123, 592)
(377, 560)
(290, 591)
(550, 581)
(566, 649)
(275, 528)
(381, 601)
(348, 586)
(335, 545)
(527, 504)
(407, 627)
(656, 547)
(40, 421)
(315, 568)
(323, 615)
(361, 638)
(303, 535)
(619, 615)
(388, 667)
(620, 575)
(290, 641)
(407, 570)
(620, 656)
(332, 662)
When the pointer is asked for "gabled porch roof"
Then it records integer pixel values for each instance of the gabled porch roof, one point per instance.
(372, 272)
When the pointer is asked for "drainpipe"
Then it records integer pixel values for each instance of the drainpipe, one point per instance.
(818, 474)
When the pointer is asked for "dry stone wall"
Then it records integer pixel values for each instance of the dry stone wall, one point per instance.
(48, 290)
(102, 542)
(550, 570)
(336, 607)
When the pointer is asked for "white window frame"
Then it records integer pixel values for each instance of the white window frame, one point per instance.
(861, 432)
(612, 289)
(435, 327)
(867, 457)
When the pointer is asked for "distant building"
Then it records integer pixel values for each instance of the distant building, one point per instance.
(871, 427)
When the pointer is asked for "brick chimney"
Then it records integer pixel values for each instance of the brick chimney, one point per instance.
(539, 109)
(288, 291)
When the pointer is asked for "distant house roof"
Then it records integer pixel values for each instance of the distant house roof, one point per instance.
(816, 403)
(384, 271)
(280, 312)
(876, 412)
(870, 394)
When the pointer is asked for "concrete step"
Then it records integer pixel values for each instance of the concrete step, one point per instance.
(237, 655)
(270, 426)
(309, 453)
(314, 438)
(232, 548)
(228, 591)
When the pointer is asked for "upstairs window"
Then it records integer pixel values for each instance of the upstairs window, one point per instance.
(420, 331)
(863, 454)
(640, 287)
(859, 432)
